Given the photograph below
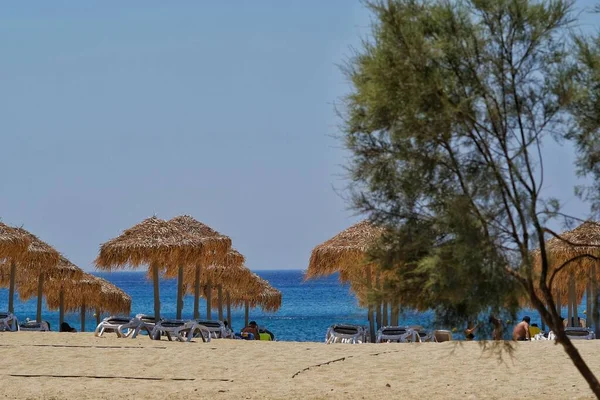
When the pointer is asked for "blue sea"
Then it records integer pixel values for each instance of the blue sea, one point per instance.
(308, 308)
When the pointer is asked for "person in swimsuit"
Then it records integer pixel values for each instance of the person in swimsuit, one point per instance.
(470, 331)
(497, 324)
(521, 331)
(253, 329)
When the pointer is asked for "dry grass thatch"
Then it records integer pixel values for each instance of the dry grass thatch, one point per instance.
(585, 239)
(39, 255)
(12, 242)
(217, 244)
(344, 252)
(259, 294)
(159, 242)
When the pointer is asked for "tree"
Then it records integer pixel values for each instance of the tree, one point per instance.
(452, 102)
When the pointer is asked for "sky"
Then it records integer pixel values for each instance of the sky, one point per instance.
(221, 110)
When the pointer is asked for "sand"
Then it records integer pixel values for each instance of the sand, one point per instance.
(51, 365)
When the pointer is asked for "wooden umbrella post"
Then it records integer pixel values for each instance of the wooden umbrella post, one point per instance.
(209, 300)
(571, 302)
(246, 313)
(378, 302)
(558, 304)
(179, 291)
(61, 307)
(588, 304)
(40, 296)
(83, 317)
(385, 313)
(197, 293)
(220, 299)
(97, 317)
(370, 307)
(228, 297)
(595, 312)
(156, 292)
(395, 311)
(11, 287)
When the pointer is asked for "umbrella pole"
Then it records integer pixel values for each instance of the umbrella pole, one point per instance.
(83, 317)
(228, 309)
(208, 300)
(370, 308)
(570, 301)
(595, 302)
(61, 307)
(588, 304)
(394, 316)
(11, 290)
(246, 313)
(38, 315)
(156, 292)
(385, 314)
(558, 304)
(97, 317)
(220, 297)
(378, 303)
(197, 293)
(179, 291)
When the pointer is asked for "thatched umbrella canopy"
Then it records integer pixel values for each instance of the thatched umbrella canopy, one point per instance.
(346, 253)
(12, 242)
(38, 261)
(573, 280)
(203, 232)
(161, 245)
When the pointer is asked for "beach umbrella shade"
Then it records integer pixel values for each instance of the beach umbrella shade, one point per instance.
(225, 256)
(346, 253)
(573, 280)
(159, 244)
(12, 242)
(35, 263)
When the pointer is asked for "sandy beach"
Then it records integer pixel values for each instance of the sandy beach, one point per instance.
(60, 366)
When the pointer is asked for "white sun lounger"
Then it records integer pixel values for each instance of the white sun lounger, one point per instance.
(352, 334)
(182, 330)
(126, 327)
(215, 327)
(399, 334)
(8, 322)
(580, 333)
(34, 326)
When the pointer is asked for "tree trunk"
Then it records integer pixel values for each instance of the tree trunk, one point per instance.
(11, 288)
(220, 300)
(179, 291)
(579, 363)
(197, 292)
(40, 296)
(209, 300)
(156, 293)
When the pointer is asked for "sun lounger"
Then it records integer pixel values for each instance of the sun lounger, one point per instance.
(126, 327)
(580, 333)
(215, 327)
(352, 334)
(8, 322)
(399, 334)
(182, 330)
(34, 326)
(442, 335)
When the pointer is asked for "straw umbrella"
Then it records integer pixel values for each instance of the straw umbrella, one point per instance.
(162, 246)
(37, 262)
(205, 233)
(12, 242)
(579, 274)
(347, 253)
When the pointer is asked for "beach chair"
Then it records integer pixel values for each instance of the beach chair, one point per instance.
(580, 333)
(115, 324)
(8, 322)
(216, 328)
(398, 334)
(182, 330)
(34, 326)
(442, 335)
(352, 334)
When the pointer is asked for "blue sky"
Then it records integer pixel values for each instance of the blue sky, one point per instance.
(221, 110)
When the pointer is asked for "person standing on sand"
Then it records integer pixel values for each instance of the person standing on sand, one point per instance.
(470, 331)
(497, 324)
(521, 331)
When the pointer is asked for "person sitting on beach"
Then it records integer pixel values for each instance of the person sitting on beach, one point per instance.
(65, 327)
(534, 330)
(253, 329)
(497, 324)
(265, 334)
(470, 331)
(521, 331)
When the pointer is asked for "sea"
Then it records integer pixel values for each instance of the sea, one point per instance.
(308, 307)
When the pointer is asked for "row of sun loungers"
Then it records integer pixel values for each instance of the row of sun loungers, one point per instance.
(356, 334)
